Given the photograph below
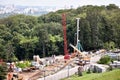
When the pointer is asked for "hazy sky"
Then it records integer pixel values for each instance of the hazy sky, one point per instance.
(74, 3)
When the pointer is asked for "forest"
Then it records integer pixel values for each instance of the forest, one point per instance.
(22, 36)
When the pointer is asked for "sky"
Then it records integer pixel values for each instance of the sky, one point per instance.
(59, 3)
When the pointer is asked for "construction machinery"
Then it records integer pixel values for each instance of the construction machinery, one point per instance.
(65, 37)
(77, 52)
(83, 58)
(78, 48)
(78, 45)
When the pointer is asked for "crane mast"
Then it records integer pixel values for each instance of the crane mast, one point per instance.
(66, 56)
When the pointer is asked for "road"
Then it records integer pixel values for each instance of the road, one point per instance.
(95, 58)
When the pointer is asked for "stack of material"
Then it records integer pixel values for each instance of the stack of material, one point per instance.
(98, 68)
(115, 64)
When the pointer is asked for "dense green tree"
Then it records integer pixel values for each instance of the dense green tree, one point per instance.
(23, 36)
(28, 44)
(112, 6)
(3, 71)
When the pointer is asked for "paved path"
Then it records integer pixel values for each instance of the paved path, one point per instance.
(95, 58)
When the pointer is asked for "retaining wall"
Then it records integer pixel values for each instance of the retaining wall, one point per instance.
(61, 74)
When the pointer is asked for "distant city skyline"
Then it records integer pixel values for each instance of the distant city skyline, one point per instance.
(59, 3)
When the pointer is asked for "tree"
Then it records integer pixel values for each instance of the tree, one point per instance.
(22, 35)
(109, 45)
(41, 32)
(29, 45)
(9, 52)
(112, 6)
(104, 60)
(53, 40)
(85, 34)
(93, 17)
(3, 71)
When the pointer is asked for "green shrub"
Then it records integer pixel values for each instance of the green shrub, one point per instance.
(25, 64)
(104, 60)
(21, 65)
(80, 71)
(109, 45)
(88, 71)
(110, 68)
(95, 69)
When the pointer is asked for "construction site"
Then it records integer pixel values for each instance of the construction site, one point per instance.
(59, 40)
(43, 67)
(58, 67)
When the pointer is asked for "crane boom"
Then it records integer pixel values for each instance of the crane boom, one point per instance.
(77, 49)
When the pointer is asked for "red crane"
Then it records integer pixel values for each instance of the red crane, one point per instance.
(66, 56)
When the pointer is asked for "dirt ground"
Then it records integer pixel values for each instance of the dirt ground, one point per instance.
(35, 74)
(51, 69)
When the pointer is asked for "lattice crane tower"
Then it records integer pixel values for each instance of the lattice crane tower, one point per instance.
(66, 56)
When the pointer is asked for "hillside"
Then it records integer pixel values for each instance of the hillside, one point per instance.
(112, 75)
